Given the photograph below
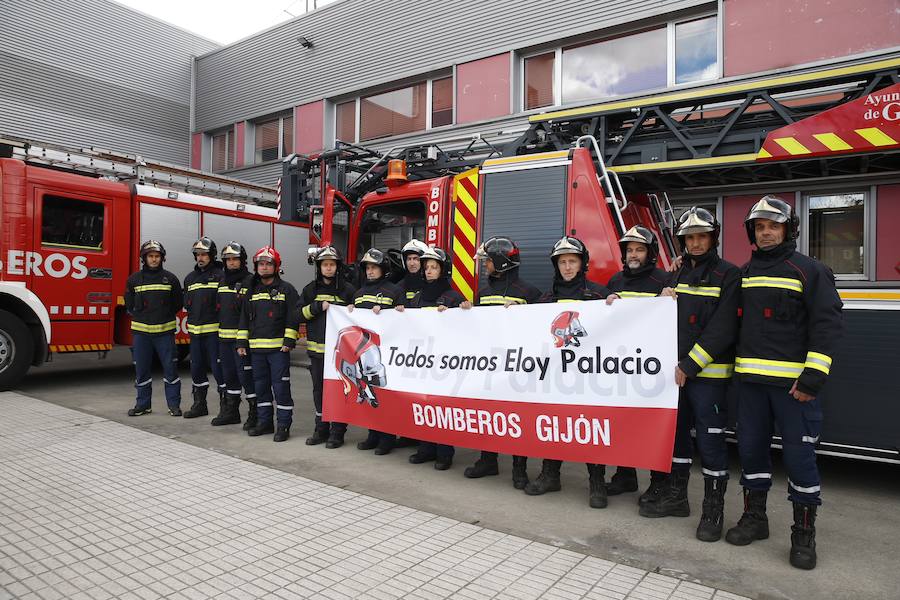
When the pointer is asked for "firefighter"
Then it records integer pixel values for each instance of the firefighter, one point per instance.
(435, 293)
(201, 287)
(236, 369)
(707, 289)
(153, 298)
(412, 256)
(501, 260)
(270, 318)
(570, 260)
(377, 293)
(790, 325)
(328, 288)
(639, 278)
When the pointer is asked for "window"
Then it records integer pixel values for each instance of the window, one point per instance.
(222, 151)
(389, 226)
(345, 121)
(539, 80)
(695, 50)
(442, 102)
(392, 113)
(72, 223)
(274, 138)
(837, 232)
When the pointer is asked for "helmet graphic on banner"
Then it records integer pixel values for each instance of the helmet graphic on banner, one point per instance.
(774, 209)
(357, 359)
(566, 329)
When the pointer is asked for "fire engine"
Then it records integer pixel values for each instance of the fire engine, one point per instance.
(72, 222)
(568, 173)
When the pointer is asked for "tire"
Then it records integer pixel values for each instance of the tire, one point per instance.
(16, 350)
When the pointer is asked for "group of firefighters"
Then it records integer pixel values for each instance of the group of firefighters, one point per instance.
(771, 326)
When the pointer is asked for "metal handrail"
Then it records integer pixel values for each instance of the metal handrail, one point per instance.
(605, 180)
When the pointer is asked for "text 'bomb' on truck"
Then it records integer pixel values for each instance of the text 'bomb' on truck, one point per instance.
(71, 222)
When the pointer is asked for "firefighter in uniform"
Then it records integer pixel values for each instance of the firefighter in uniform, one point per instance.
(707, 289)
(153, 298)
(377, 293)
(435, 293)
(570, 260)
(270, 318)
(501, 260)
(201, 287)
(790, 325)
(236, 369)
(639, 278)
(412, 261)
(327, 289)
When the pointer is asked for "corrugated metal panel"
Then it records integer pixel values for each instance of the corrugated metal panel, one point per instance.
(267, 174)
(529, 207)
(362, 43)
(95, 73)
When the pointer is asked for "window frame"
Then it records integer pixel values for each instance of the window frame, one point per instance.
(869, 210)
(280, 117)
(74, 197)
(229, 149)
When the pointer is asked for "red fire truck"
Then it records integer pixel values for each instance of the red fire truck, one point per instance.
(568, 172)
(72, 222)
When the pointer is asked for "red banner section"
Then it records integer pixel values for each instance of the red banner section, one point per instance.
(626, 436)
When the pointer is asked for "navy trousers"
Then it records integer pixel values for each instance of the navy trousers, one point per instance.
(236, 370)
(205, 358)
(703, 407)
(144, 347)
(272, 380)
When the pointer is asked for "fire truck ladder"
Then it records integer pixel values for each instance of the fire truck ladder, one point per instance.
(711, 135)
(130, 167)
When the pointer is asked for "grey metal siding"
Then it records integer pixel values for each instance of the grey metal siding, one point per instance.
(363, 43)
(96, 73)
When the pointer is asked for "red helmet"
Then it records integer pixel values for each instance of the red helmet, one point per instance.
(566, 329)
(357, 359)
(270, 253)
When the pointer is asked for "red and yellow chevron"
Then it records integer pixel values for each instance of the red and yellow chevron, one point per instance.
(80, 347)
(465, 223)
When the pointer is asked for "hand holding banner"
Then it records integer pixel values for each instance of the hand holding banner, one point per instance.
(577, 381)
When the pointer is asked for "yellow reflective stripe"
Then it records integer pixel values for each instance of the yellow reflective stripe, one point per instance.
(717, 371)
(153, 287)
(430, 307)
(198, 329)
(227, 290)
(147, 328)
(387, 301)
(624, 294)
(785, 283)
(315, 347)
(243, 334)
(700, 356)
(327, 298)
(291, 333)
(228, 334)
(265, 296)
(410, 295)
(818, 361)
(203, 286)
(710, 291)
(307, 311)
(266, 342)
(770, 368)
(501, 300)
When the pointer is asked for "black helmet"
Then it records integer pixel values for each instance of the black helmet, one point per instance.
(206, 245)
(698, 220)
(234, 250)
(414, 246)
(152, 246)
(376, 257)
(502, 251)
(570, 245)
(641, 235)
(774, 209)
(441, 257)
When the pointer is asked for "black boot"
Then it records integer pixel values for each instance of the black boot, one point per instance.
(597, 487)
(673, 501)
(658, 484)
(229, 413)
(261, 428)
(483, 467)
(753, 524)
(335, 439)
(369, 443)
(385, 445)
(547, 481)
(405, 442)
(320, 435)
(520, 472)
(623, 480)
(250, 423)
(198, 408)
(710, 527)
(282, 433)
(803, 536)
(423, 455)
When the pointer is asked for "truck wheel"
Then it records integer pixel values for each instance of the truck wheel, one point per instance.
(16, 350)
